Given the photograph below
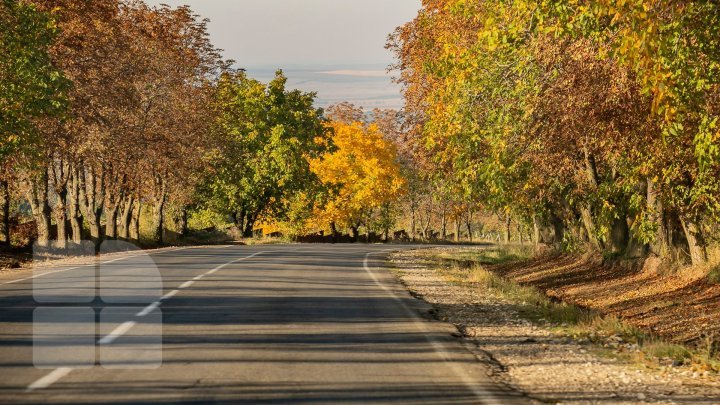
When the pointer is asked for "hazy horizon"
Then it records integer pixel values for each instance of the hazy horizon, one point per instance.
(333, 47)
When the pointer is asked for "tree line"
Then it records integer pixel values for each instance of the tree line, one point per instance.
(115, 112)
(594, 123)
(107, 103)
(580, 124)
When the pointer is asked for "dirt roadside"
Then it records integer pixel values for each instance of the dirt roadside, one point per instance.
(28, 266)
(535, 359)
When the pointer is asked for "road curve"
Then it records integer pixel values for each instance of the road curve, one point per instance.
(248, 324)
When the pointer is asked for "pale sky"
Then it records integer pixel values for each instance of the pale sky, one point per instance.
(287, 33)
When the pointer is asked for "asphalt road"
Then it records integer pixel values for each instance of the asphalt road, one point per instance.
(230, 324)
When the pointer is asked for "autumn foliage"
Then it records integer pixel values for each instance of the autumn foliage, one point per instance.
(594, 122)
(586, 124)
(361, 175)
(122, 121)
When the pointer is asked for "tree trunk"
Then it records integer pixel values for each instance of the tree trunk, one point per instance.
(589, 223)
(458, 226)
(425, 222)
(619, 235)
(158, 222)
(5, 213)
(184, 231)
(586, 209)
(60, 213)
(74, 208)
(468, 224)
(536, 230)
(134, 231)
(125, 218)
(354, 233)
(443, 224)
(521, 237)
(240, 220)
(38, 197)
(248, 232)
(113, 200)
(92, 189)
(696, 241)
(111, 217)
(506, 237)
(661, 245)
(413, 210)
(591, 167)
(333, 230)
(60, 176)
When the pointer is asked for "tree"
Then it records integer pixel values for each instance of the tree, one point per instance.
(596, 119)
(31, 86)
(361, 174)
(264, 136)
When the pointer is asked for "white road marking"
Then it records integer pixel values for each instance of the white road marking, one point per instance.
(186, 284)
(169, 295)
(39, 275)
(59, 373)
(439, 347)
(68, 269)
(49, 379)
(91, 264)
(148, 309)
(234, 261)
(117, 332)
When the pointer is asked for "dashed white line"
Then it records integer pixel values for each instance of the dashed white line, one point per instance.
(59, 373)
(49, 379)
(148, 309)
(39, 275)
(169, 295)
(89, 264)
(117, 332)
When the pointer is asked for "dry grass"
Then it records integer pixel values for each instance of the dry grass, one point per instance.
(475, 269)
(267, 241)
(495, 255)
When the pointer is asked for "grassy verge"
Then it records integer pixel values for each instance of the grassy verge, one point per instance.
(267, 241)
(611, 335)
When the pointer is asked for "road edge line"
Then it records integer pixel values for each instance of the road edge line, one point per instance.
(439, 347)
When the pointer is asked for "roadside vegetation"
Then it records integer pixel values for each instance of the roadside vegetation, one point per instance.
(589, 128)
(612, 335)
(584, 127)
(122, 121)
(591, 125)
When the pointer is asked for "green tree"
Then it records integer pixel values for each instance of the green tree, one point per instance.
(265, 135)
(31, 87)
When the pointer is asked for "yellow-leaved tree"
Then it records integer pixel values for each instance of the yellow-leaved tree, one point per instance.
(361, 174)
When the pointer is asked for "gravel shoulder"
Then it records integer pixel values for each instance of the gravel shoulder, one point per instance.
(537, 360)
